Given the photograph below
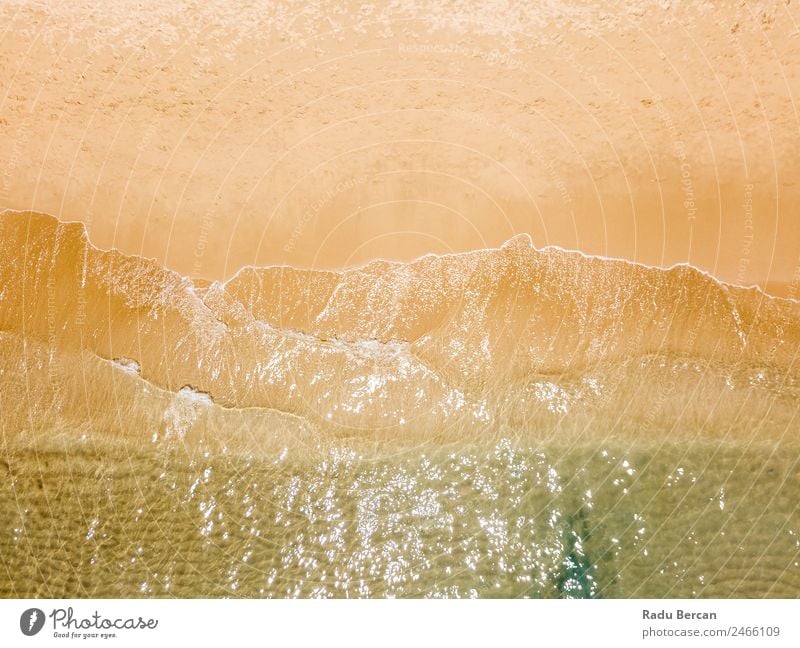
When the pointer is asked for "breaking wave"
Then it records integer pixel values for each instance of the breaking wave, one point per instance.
(506, 337)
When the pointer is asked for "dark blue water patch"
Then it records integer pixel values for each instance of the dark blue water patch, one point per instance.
(576, 579)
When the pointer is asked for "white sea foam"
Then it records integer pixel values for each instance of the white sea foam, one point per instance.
(128, 365)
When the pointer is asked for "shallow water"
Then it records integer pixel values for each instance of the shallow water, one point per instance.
(510, 422)
(642, 520)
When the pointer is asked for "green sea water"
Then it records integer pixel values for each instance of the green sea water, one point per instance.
(84, 519)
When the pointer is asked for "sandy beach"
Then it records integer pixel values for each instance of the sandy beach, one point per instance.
(211, 136)
(405, 299)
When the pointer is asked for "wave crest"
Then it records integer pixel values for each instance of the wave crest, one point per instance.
(476, 336)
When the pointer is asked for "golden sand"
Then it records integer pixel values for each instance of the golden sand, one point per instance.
(417, 299)
(211, 137)
(459, 341)
(507, 422)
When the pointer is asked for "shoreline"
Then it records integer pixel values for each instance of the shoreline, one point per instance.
(205, 282)
(210, 148)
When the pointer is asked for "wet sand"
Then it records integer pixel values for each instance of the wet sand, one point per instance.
(553, 425)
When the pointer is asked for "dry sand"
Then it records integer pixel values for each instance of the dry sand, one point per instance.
(218, 134)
